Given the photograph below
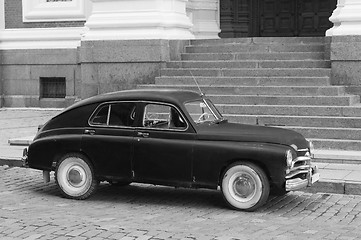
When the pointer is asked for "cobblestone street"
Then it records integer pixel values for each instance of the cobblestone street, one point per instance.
(31, 209)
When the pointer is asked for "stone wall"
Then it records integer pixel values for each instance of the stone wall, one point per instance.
(345, 55)
(95, 67)
(22, 70)
(117, 65)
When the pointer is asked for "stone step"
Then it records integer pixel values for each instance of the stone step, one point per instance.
(244, 81)
(329, 133)
(336, 111)
(262, 40)
(246, 72)
(346, 100)
(251, 64)
(301, 121)
(260, 90)
(336, 144)
(261, 48)
(337, 156)
(253, 56)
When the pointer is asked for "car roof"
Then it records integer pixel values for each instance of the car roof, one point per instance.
(175, 96)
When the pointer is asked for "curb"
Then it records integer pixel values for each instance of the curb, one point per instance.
(335, 187)
(11, 162)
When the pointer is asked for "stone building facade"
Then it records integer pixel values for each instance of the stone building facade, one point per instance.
(53, 52)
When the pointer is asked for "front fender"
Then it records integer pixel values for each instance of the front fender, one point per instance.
(212, 157)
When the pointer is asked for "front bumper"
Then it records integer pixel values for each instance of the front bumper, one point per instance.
(301, 174)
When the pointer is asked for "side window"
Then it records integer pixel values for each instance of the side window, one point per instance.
(122, 114)
(115, 114)
(162, 117)
(101, 117)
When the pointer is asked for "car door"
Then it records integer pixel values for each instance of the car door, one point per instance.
(163, 146)
(109, 139)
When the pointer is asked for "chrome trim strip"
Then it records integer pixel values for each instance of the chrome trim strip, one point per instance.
(307, 160)
(303, 158)
(290, 175)
(108, 117)
(296, 184)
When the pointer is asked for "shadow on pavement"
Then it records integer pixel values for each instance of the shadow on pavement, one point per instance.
(138, 195)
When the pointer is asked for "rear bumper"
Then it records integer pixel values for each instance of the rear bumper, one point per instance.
(24, 158)
(312, 176)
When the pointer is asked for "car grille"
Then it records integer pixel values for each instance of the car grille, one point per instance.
(301, 166)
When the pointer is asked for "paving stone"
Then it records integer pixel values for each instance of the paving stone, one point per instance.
(81, 238)
(34, 237)
(91, 233)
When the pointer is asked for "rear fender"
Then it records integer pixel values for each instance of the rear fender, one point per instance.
(44, 152)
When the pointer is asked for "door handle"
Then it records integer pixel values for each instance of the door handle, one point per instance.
(89, 131)
(143, 134)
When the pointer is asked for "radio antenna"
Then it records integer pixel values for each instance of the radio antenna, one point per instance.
(194, 79)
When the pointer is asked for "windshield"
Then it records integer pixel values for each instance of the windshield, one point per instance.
(203, 110)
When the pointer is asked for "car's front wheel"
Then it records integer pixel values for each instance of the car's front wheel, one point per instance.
(245, 186)
(75, 177)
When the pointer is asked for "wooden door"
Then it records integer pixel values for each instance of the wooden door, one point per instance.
(235, 18)
(277, 18)
(272, 18)
(313, 17)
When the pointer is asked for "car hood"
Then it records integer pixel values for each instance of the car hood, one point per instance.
(250, 133)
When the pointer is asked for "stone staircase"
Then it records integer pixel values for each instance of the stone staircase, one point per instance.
(281, 82)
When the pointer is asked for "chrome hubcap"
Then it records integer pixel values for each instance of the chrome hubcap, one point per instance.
(76, 176)
(244, 186)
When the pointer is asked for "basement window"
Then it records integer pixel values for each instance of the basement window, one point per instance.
(52, 87)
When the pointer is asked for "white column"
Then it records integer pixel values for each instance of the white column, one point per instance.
(204, 15)
(138, 19)
(346, 18)
(2, 14)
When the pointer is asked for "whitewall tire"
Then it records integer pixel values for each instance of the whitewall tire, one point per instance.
(75, 177)
(245, 186)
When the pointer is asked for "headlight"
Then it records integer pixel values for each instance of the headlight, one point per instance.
(289, 158)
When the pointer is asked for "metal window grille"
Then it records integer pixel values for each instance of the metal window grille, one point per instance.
(52, 87)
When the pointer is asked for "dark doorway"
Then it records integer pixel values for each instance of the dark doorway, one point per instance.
(281, 18)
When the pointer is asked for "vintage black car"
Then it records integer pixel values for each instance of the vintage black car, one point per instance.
(168, 137)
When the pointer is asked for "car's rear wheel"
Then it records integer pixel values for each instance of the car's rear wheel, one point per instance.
(245, 186)
(75, 177)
